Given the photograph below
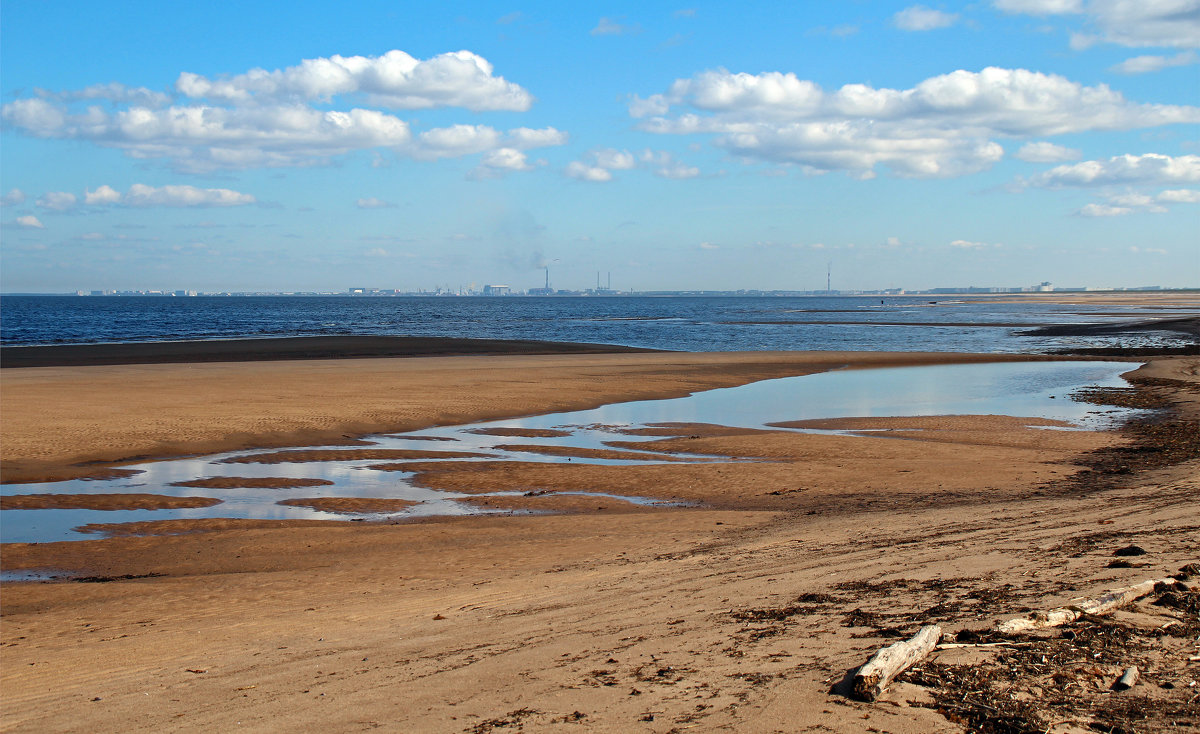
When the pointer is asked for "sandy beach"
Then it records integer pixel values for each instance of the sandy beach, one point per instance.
(741, 611)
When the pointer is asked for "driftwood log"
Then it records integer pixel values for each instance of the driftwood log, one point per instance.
(1100, 605)
(1127, 680)
(873, 677)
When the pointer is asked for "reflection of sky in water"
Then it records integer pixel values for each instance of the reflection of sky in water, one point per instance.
(1026, 389)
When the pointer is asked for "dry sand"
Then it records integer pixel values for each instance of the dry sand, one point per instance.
(736, 614)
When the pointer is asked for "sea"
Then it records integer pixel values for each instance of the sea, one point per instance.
(728, 323)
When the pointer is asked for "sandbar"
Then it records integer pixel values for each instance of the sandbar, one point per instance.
(133, 501)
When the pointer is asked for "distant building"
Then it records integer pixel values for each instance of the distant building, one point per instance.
(496, 290)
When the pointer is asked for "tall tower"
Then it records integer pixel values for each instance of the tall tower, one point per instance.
(829, 277)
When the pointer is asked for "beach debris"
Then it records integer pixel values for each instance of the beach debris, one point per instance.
(873, 678)
(1101, 605)
(1127, 680)
(1130, 550)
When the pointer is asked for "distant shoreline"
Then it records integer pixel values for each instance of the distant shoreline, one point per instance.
(286, 348)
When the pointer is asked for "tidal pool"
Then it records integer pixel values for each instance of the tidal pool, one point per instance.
(1022, 389)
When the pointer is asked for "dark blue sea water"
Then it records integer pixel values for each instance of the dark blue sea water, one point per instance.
(675, 323)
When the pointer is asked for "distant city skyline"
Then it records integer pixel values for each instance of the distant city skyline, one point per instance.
(503, 290)
(703, 146)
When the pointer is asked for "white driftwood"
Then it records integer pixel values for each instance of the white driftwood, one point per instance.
(872, 678)
(1127, 680)
(1101, 605)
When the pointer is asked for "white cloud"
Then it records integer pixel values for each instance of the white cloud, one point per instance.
(1134, 23)
(1103, 210)
(395, 79)
(372, 203)
(613, 27)
(666, 166)
(269, 119)
(143, 195)
(921, 18)
(104, 194)
(525, 138)
(57, 201)
(1040, 7)
(1147, 22)
(501, 161)
(968, 245)
(1043, 152)
(456, 141)
(1137, 202)
(941, 127)
(584, 172)
(709, 246)
(30, 222)
(614, 160)
(600, 163)
(206, 138)
(14, 197)
(1151, 168)
(1185, 196)
(1149, 64)
(677, 171)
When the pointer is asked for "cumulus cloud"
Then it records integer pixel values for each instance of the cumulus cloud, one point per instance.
(14, 197)
(1187, 196)
(941, 127)
(1151, 168)
(584, 172)
(267, 118)
(204, 138)
(665, 165)
(57, 201)
(921, 18)
(1151, 63)
(395, 79)
(599, 164)
(525, 138)
(968, 245)
(1137, 202)
(103, 195)
(30, 222)
(614, 160)
(143, 195)
(1103, 210)
(372, 203)
(1134, 23)
(1044, 152)
(500, 161)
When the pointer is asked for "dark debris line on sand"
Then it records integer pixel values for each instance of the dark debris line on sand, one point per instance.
(1156, 441)
(1065, 676)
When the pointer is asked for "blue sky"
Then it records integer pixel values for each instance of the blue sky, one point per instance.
(152, 145)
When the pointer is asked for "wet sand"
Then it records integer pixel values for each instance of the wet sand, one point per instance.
(737, 613)
(60, 421)
(130, 501)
